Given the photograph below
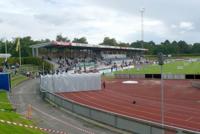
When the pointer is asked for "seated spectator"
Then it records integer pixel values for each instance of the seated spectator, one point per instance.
(66, 70)
(1, 69)
(28, 74)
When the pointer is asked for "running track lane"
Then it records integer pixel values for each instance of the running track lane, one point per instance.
(181, 107)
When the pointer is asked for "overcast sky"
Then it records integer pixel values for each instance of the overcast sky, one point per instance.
(95, 19)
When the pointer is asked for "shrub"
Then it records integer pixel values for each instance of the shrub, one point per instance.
(30, 60)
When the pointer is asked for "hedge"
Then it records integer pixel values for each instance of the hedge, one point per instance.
(30, 60)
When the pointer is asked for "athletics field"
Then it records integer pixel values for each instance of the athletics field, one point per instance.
(175, 67)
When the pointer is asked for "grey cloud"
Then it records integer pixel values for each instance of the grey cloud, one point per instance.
(169, 11)
(50, 1)
(63, 18)
(51, 19)
(196, 23)
(96, 18)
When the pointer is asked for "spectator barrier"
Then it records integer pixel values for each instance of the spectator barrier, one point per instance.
(158, 76)
(196, 84)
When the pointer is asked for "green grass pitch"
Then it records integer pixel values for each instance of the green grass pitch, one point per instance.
(178, 67)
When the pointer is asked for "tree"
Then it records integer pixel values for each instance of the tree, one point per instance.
(123, 44)
(183, 47)
(2, 46)
(167, 47)
(150, 46)
(137, 44)
(196, 48)
(166, 42)
(25, 44)
(80, 40)
(61, 38)
(45, 40)
(109, 42)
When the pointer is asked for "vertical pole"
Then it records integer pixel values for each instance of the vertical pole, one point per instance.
(43, 67)
(162, 100)
(20, 58)
(6, 51)
(161, 63)
(142, 34)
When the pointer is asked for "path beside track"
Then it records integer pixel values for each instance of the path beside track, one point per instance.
(49, 116)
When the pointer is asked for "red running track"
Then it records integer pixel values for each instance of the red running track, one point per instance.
(182, 101)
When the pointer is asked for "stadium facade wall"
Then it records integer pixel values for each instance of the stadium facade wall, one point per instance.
(137, 76)
(174, 76)
(133, 125)
(158, 76)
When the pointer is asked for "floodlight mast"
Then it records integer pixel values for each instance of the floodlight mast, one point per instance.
(161, 63)
(142, 10)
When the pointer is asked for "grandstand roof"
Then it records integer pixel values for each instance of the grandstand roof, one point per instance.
(5, 55)
(81, 45)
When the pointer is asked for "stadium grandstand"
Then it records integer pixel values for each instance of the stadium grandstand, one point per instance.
(67, 56)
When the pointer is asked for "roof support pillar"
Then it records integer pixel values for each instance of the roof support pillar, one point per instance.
(33, 54)
(36, 52)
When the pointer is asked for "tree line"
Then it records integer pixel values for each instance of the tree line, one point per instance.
(175, 47)
(166, 47)
(26, 42)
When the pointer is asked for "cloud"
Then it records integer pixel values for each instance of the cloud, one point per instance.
(51, 19)
(186, 25)
(173, 26)
(96, 19)
(182, 28)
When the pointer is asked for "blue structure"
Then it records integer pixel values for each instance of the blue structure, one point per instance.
(5, 81)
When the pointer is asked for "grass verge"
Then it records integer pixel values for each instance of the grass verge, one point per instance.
(17, 79)
(7, 113)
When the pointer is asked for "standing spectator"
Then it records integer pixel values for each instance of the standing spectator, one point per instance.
(111, 68)
(84, 68)
(15, 70)
(104, 84)
(6, 64)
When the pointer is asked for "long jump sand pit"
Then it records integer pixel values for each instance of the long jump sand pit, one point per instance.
(130, 82)
(181, 101)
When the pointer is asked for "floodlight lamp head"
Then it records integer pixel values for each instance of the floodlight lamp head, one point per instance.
(142, 9)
